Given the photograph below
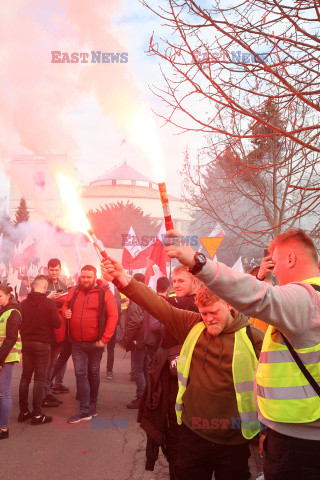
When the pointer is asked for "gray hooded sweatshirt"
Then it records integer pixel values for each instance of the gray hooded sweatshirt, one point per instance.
(294, 309)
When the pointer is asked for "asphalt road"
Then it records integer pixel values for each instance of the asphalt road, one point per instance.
(110, 447)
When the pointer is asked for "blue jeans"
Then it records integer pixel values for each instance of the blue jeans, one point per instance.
(54, 354)
(59, 377)
(61, 364)
(140, 369)
(5, 396)
(87, 358)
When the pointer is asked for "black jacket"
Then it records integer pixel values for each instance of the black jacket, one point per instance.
(133, 337)
(39, 318)
(158, 400)
(12, 329)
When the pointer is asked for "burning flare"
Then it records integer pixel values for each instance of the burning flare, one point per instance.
(77, 220)
(75, 217)
(66, 271)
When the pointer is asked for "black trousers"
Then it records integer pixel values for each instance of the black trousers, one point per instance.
(172, 430)
(110, 351)
(35, 359)
(199, 459)
(289, 458)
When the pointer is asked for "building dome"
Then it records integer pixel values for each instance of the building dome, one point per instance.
(124, 183)
(123, 174)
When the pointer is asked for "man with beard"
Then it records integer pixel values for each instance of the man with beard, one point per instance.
(215, 401)
(287, 378)
(92, 314)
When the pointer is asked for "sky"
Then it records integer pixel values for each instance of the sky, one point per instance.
(84, 110)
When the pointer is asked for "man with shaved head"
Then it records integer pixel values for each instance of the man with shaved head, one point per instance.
(39, 319)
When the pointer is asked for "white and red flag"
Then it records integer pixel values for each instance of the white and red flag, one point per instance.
(238, 266)
(3, 270)
(25, 252)
(135, 257)
(158, 256)
(32, 271)
(131, 250)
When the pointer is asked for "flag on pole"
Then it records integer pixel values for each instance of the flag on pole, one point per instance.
(158, 257)
(25, 252)
(135, 257)
(130, 251)
(3, 270)
(238, 266)
(213, 241)
(32, 271)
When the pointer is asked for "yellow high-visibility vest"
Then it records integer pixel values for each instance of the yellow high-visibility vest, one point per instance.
(244, 363)
(124, 304)
(284, 394)
(15, 352)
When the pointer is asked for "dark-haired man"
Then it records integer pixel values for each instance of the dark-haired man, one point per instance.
(56, 287)
(92, 314)
(39, 318)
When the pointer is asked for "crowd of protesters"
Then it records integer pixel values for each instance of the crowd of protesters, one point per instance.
(225, 360)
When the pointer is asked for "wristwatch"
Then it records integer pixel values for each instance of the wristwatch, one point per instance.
(199, 261)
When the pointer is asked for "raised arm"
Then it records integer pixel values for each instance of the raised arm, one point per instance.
(291, 308)
(179, 322)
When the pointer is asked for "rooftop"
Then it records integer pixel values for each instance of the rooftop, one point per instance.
(123, 174)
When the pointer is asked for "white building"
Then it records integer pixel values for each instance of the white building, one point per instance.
(124, 183)
(33, 177)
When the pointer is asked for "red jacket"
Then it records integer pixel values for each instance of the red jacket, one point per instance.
(90, 321)
(60, 333)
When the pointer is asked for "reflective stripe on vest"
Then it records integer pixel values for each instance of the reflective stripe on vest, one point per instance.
(284, 356)
(14, 354)
(243, 368)
(284, 394)
(244, 364)
(183, 365)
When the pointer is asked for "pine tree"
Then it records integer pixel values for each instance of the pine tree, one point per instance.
(22, 213)
(112, 221)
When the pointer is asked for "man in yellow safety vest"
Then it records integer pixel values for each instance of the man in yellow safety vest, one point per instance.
(288, 375)
(215, 401)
